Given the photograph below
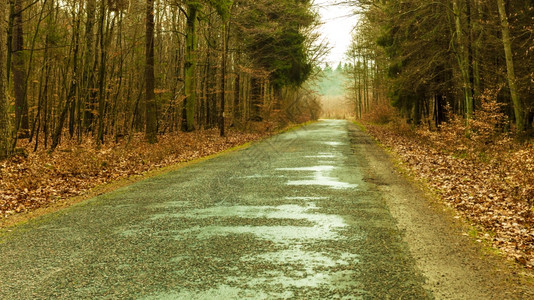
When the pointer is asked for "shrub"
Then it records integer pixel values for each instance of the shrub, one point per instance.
(382, 113)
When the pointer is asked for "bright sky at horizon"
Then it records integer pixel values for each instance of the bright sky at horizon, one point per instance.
(338, 23)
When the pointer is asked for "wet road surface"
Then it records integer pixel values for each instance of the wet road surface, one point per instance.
(295, 216)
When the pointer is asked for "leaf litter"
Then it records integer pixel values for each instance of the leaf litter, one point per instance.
(41, 179)
(485, 176)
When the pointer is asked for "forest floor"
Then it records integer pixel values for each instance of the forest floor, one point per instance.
(40, 179)
(486, 177)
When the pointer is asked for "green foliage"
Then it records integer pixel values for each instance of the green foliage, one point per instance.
(222, 7)
(290, 61)
(274, 38)
(332, 82)
(194, 4)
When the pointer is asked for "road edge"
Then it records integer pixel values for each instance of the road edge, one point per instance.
(454, 264)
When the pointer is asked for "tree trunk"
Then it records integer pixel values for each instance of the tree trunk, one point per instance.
(366, 83)
(223, 79)
(19, 72)
(4, 119)
(88, 72)
(101, 74)
(357, 74)
(75, 76)
(150, 105)
(519, 111)
(477, 46)
(69, 104)
(256, 99)
(462, 54)
(237, 102)
(190, 68)
(46, 101)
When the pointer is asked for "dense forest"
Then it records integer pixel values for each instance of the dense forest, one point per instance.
(447, 85)
(441, 58)
(107, 69)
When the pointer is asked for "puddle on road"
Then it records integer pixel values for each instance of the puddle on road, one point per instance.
(260, 176)
(309, 260)
(289, 211)
(320, 177)
(323, 181)
(314, 169)
(276, 234)
(306, 198)
(296, 266)
(326, 158)
(333, 143)
(311, 281)
(325, 226)
(323, 155)
(308, 257)
(221, 292)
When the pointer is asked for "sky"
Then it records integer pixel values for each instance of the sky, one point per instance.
(338, 23)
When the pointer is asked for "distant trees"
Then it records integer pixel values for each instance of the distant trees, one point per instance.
(332, 83)
(365, 70)
(451, 54)
(111, 68)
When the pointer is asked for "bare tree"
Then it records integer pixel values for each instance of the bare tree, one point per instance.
(113, 68)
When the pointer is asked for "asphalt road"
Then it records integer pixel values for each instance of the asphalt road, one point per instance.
(295, 216)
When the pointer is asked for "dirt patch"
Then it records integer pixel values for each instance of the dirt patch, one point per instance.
(456, 266)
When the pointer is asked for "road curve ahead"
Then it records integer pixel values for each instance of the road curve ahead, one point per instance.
(294, 216)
